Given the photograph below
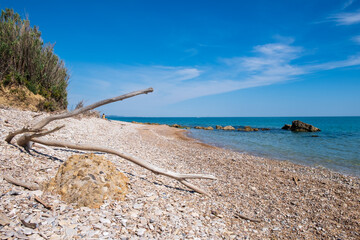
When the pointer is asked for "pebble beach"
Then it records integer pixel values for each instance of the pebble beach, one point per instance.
(253, 197)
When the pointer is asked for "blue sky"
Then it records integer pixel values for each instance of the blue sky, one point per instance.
(207, 58)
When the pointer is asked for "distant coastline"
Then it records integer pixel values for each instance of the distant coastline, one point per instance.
(334, 148)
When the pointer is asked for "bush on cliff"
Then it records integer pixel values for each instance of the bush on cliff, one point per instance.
(27, 61)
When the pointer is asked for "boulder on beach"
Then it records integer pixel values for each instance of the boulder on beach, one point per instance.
(198, 127)
(299, 126)
(88, 180)
(208, 128)
(175, 126)
(218, 127)
(229, 128)
(286, 127)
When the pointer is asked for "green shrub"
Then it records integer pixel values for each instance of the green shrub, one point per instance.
(27, 61)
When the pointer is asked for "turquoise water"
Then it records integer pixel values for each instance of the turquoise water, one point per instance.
(337, 146)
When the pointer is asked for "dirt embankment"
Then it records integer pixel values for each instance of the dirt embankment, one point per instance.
(20, 98)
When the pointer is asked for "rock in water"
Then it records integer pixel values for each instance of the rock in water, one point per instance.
(229, 128)
(88, 180)
(286, 127)
(299, 126)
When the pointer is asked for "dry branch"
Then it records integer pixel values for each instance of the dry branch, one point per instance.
(30, 186)
(37, 126)
(28, 225)
(26, 140)
(85, 147)
(42, 202)
(238, 215)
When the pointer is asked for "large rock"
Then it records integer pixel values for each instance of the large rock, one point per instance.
(286, 127)
(218, 127)
(248, 129)
(229, 128)
(299, 126)
(88, 180)
(208, 128)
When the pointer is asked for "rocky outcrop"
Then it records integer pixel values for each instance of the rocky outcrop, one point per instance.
(208, 128)
(248, 129)
(218, 127)
(299, 126)
(286, 127)
(88, 180)
(229, 128)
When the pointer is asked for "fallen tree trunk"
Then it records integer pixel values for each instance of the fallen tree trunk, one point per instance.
(37, 130)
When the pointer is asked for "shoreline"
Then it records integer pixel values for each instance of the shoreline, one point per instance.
(187, 134)
(291, 201)
(263, 155)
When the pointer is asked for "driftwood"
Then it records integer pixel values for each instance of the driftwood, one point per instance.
(28, 225)
(238, 215)
(37, 131)
(30, 186)
(42, 202)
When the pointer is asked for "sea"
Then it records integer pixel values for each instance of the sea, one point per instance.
(336, 146)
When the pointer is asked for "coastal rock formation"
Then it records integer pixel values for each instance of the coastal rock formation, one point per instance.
(248, 129)
(286, 127)
(208, 128)
(218, 127)
(299, 126)
(229, 128)
(198, 127)
(88, 180)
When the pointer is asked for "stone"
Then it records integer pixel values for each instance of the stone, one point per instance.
(209, 128)
(299, 126)
(138, 205)
(248, 129)
(141, 231)
(198, 127)
(286, 127)
(78, 181)
(105, 221)
(69, 232)
(4, 220)
(218, 127)
(228, 128)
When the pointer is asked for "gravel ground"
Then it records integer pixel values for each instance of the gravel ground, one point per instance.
(289, 201)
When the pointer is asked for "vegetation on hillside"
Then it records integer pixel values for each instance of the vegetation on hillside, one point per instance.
(26, 61)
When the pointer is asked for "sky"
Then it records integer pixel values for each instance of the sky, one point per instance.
(207, 58)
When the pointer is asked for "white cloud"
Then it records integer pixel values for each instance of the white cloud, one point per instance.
(269, 64)
(348, 3)
(349, 62)
(356, 39)
(346, 18)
